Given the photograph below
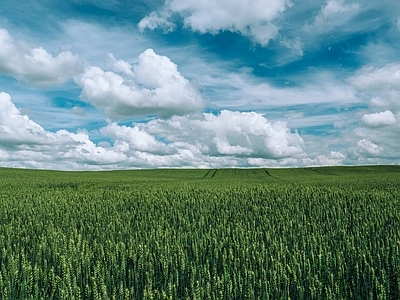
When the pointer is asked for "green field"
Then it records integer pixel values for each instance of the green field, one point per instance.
(314, 233)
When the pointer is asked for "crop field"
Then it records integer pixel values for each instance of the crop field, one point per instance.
(314, 233)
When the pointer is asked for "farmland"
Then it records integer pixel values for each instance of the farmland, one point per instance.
(315, 233)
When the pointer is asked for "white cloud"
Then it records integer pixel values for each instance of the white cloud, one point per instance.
(24, 143)
(379, 86)
(244, 91)
(368, 148)
(79, 111)
(205, 140)
(253, 19)
(155, 20)
(17, 129)
(134, 138)
(378, 142)
(296, 45)
(377, 79)
(333, 14)
(152, 86)
(230, 133)
(229, 139)
(380, 119)
(121, 66)
(335, 158)
(36, 65)
(197, 140)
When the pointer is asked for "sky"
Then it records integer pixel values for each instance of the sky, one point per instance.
(118, 84)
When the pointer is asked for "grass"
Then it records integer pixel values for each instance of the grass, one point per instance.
(312, 233)
(312, 175)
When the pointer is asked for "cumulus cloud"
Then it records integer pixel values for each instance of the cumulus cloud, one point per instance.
(230, 138)
(17, 129)
(380, 119)
(208, 137)
(377, 79)
(377, 139)
(151, 86)
(379, 86)
(335, 158)
(24, 143)
(241, 134)
(134, 139)
(255, 19)
(368, 148)
(36, 65)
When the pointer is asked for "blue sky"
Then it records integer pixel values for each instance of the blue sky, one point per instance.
(117, 84)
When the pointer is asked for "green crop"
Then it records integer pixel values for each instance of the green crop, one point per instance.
(317, 233)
